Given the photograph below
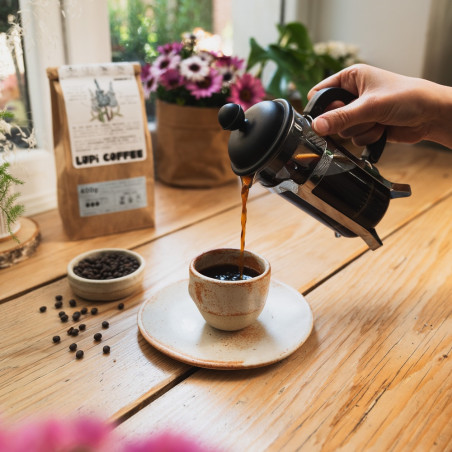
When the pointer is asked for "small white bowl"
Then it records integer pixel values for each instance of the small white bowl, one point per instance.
(105, 289)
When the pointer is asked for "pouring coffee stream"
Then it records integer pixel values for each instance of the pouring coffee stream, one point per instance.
(276, 146)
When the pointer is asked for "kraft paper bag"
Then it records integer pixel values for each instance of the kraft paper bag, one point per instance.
(191, 147)
(103, 152)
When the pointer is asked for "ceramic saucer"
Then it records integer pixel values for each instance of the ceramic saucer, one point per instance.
(171, 323)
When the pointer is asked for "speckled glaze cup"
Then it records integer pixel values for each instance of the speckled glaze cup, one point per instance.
(229, 305)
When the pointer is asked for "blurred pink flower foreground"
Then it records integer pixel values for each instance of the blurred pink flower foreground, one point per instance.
(86, 435)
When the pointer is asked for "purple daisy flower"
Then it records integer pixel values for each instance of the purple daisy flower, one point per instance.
(207, 86)
(194, 68)
(172, 47)
(171, 79)
(149, 79)
(165, 62)
(246, 91)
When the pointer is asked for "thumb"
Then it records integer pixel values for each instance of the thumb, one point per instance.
(339, 119)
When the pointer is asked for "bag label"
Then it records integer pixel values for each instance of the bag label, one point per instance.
(104, 111)
(112, 196)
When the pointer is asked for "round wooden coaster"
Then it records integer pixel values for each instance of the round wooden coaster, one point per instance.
(13, 252)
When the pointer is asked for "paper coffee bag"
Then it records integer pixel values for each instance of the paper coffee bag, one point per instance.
(103, 152)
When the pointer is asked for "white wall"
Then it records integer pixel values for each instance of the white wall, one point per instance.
(391, 34)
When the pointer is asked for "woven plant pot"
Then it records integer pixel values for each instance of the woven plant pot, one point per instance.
(191, 148)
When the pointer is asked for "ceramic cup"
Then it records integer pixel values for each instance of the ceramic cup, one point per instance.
(229, 305)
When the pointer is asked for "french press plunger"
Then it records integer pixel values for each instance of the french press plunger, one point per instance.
(277, 144)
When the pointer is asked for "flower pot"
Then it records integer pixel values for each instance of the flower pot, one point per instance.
(191, 148)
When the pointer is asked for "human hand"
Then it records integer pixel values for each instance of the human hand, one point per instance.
(410, 109)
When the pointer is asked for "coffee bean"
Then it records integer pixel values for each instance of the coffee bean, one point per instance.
(74, 332)
(84, 310)
(56, 339)
(94, 311)
(105, 324)
(72, 303)
(76, 316)
(97, 337)
(58, 297)
(43, 309)
(79, 354)
(82, 327)
(121, 306)
(73, 347)
(69, 331)
(61, 313)
(64, 318)
(58, 304)
(106, 349)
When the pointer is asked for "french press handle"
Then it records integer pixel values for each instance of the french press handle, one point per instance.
(323, 98)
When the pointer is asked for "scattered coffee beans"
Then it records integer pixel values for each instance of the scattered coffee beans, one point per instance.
(106, 349)
(79, 354)
(105, 324)
(56, 339)
(121, 306)
(73, 347)
(72, 303)
(82, 327)
(84, 310)
(94, 311)
(43, 309)
(106, 266)
(97, 337)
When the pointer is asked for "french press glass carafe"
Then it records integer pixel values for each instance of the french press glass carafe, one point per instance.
(277, 144)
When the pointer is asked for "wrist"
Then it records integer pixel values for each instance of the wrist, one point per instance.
(440, 130)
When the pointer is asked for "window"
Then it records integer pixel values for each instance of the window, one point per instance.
(13, 83)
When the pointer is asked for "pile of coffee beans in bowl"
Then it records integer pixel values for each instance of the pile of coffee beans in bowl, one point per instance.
(106, 274)
(108, 265)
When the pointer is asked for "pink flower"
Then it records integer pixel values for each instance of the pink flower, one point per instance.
(246, 91)
(165, 62)
(167, 442)
(58, 435)
(207, 86)
(172, 47)
(149, 79)
(194, 68)
(171, 79)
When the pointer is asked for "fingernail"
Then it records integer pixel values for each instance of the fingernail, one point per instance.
(321, 126)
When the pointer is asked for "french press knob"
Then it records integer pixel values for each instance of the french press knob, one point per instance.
(278, 146)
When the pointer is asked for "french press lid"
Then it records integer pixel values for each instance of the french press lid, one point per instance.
(257, 135)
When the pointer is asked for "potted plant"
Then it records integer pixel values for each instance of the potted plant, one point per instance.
(299, 63)
(190, 84)
(10, 209)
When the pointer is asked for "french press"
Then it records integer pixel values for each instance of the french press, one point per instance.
(277, 145)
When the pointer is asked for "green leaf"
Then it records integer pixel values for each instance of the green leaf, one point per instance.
(257, 54)
(295, 34)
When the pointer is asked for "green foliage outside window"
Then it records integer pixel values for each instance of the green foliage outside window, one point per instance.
(139, 26)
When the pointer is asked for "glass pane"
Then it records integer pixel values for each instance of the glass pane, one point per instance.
(138, 27)
(13, 83)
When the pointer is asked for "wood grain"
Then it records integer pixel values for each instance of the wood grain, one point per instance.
(374, 375)
(37, 375)
(175, 209)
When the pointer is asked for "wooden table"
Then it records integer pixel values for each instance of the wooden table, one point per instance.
(375, 373)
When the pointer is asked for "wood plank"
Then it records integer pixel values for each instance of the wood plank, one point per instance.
(33, 370)
(375, 373)
(174, 209)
